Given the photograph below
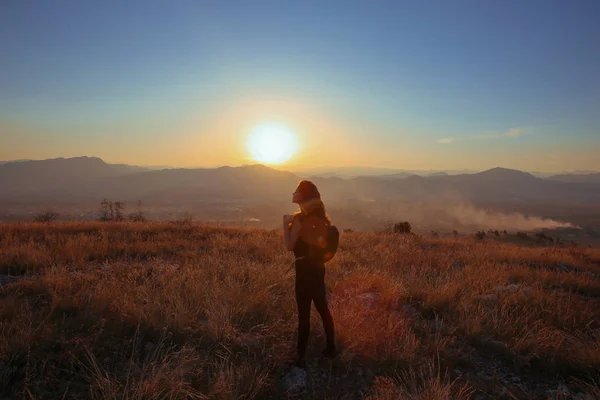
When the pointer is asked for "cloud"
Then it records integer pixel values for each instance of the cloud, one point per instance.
(511, 133)
(447, 140)
(515, 132)
(486, 136)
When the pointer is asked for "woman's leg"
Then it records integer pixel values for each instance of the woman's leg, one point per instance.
(323, 309)
(303, 301)
(320, 299)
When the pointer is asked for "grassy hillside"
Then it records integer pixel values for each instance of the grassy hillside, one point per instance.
(160, 310)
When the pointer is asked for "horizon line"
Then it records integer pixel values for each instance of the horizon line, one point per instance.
(324, 169)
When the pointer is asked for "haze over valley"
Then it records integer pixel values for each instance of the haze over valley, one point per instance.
(256, 195)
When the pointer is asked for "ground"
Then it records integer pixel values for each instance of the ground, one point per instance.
(164, 310)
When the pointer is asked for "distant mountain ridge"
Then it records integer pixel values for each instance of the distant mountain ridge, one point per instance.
(91, 179)
(577, 178)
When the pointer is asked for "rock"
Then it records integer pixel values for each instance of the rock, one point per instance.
(105, 267)
(458, 264)
(563, 390)
(513, 287)
(370, 299)
(486, 377)
(497, 345)
(562, 268)
(522, 362)
(515, 379)
(488, 297)
(457, 372)
(149, 346)
(294, 382)
(410, 311)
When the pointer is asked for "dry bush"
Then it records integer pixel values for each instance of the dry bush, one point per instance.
(424, 383)
(46, 216)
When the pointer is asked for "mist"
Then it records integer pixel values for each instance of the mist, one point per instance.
(441, 216)
(469, 215)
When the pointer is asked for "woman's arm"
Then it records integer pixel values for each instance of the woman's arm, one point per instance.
(290, 236)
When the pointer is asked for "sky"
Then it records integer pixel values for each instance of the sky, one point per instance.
(415, 84)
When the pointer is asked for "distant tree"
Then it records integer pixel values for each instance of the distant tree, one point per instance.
(543, 237)
(480, 235)
(497, 233)
(46, 216)
(106, 212)
(402, 227)
(455, 233)
(118, 211)
(435, 234)
(138, 215)
(347, 230)
(111, 211)
(184, 219)
(522, 235)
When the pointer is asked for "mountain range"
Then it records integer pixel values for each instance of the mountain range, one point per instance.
(91, 179)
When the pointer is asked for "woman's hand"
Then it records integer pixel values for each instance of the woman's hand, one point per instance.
(290, 236)
(287, 219)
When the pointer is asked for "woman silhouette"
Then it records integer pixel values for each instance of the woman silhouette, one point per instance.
(303, 234)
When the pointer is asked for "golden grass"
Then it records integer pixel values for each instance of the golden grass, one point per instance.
(160, 310)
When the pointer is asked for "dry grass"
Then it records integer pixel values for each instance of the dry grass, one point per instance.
(159, 310)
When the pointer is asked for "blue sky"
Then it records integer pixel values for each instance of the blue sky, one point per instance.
(406, 84)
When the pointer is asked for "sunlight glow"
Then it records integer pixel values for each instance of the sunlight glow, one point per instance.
(272, 144)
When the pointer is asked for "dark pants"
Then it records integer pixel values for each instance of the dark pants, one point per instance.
(310, 286)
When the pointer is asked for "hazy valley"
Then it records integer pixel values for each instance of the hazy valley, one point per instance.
(256, 195)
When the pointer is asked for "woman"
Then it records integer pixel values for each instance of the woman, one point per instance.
(303, 234)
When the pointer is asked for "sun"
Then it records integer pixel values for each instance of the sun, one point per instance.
(272, 143)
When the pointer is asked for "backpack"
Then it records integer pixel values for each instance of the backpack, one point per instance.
(333, 240)
(323, 239)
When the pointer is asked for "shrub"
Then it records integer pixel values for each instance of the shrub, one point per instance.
(402, 227)
(119, 207)
(46, 216)
(111, 211)
(184, 219)
(138, 215)
(107, 211)
(543, 237)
